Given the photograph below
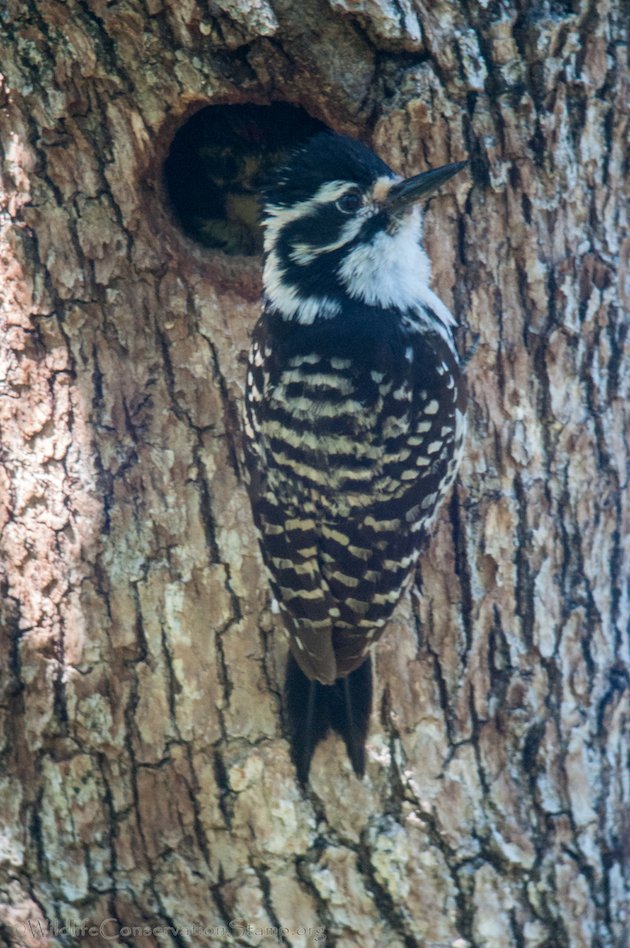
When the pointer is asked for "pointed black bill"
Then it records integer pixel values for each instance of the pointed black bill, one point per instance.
(412, 189)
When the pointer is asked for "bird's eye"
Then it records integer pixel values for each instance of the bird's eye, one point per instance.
(349, 203)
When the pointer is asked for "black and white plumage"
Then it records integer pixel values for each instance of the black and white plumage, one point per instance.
(354, 420)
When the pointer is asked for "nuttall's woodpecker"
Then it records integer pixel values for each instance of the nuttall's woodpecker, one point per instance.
(354, 419)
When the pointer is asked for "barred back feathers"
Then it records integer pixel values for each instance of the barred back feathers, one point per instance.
(354, 420)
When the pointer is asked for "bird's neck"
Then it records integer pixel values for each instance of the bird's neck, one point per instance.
(368, 336)
(389, 272)
(334, 308)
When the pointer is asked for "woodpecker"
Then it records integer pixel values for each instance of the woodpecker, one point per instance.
(354, 420)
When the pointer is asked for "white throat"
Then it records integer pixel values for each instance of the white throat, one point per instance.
(389, 270)
(393, 271)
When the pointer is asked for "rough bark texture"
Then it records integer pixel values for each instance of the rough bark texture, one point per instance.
(145, 776)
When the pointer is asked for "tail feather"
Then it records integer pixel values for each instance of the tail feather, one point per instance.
(314, 709)
(351, 706)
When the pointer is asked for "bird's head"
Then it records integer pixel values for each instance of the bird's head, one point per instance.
(338, 223)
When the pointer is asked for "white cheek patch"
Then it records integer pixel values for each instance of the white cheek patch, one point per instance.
(277, 217)
(281, 296)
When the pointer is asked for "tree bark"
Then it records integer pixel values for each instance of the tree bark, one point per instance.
(146, 787)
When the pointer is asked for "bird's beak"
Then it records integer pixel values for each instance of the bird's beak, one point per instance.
(410, 190)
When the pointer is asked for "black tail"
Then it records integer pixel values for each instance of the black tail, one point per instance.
(315, 708)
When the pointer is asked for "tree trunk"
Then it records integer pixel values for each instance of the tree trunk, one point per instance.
(146, 786)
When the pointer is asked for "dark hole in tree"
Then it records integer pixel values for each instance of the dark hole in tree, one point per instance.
(217, 163)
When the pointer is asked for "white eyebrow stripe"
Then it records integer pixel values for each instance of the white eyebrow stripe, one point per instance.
(277, 216)
(332, 191)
